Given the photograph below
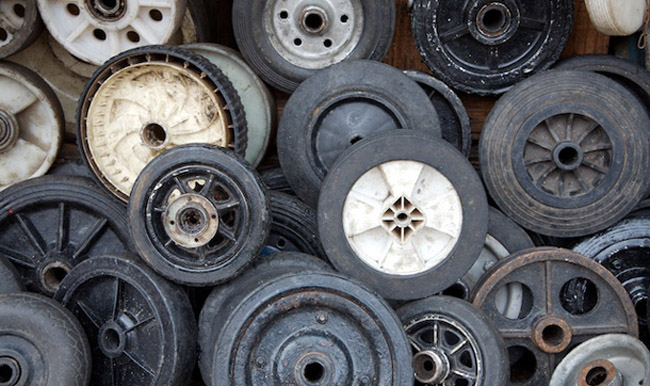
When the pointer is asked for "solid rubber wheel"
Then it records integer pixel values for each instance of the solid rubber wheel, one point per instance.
(403, 212)
(147, 100)
(617, 18)
(337, 108)
(199, 214)
(20, 25)
(564, 299)
(11, 281)
(50, 224)
(95, 30)
(141, 328)
(564, 153)
(41, 343)
(453, 343)
(486, 46)
(31, 125)
(287, 41)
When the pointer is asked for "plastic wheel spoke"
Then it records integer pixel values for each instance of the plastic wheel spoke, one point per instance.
(138, 362)
(581, 181)
(227, 232)
(32, 235)
(141, 323)
(77, 32)
(537, 161)
(22, 102)
(454, 33)
(370, 201)
(536, 142)
(207, 187)
(181, 186)
(117, 298)
(90, 314)
(458, 347)
(600, 147)
(17, 257)
(551, 131)
(568, 131)
(145, 31)
(534, 24)
(228, 204)
(593, 126)
(463, 374)
(63, 228)
(544, 176)
(90, 236)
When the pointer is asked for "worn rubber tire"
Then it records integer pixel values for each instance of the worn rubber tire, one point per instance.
(274, 179)
(11, 281)
(42, 342)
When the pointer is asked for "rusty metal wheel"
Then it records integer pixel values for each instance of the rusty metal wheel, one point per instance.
(565, 299)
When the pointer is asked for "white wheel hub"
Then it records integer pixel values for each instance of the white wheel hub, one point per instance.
(10, 20)
(95, 30)
(402, 217)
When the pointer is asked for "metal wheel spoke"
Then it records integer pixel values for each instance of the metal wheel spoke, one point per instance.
(90, 236)
(544, 176)
(227, 232)
(181, 186)
(539, 144)
(138, 362)
(436, 334)
(17, 257)
(207, 188)
(458, 346)
(228, 204)
(562, 182)
(62, 230)
(33, 236)
(454, 33)
(595, 167)
(414, 342)
(463, 374)
(141, 323)
(534, 24)
(593, 126)
(90, 314)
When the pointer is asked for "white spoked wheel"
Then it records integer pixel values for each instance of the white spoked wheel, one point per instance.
(259, 105)
(31, 125)
(616, 18)
(95, 30)
(402, 217)
(612, 360)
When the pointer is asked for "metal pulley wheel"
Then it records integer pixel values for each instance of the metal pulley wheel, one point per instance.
(623, 250)
(503, 239)
(607, 360)
(617, 18)
(20, 25)
(31, 125)
(306, 328)
(141, 327)
(454, 121)
(41, 343)
(66, 75)
(403, 212)
(151, 99)
(294, 227)
(337, 108)
(50, 224)
(564, 299)
(565, 153)
(95, 30)
(287, 41)
(486, 46)
(11, 281)
(256, 99)
(453, 343)
(199, 215)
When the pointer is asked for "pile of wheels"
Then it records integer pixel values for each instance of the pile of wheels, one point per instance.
(374, 255)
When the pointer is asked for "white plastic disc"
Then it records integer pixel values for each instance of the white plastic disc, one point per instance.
(402, 217)
(259, 105)
(31, 125)
(616, 17)
(95, 30)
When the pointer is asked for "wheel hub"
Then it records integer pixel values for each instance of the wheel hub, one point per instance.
(552, 334)
(191, 220)
(8, 131)
(110, 10)
(314, 369)
(568, 156)
(154, 136)
(402, 219)
(431, 366)
(9, 371)
(112, 339)
(493, 23)
(600, 373)
(314, 20)
(53, 273)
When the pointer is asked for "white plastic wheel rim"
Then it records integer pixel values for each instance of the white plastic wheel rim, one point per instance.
(132, 99)
(255, 97)
(493, 251)
(144, 22)
(615, 17)
(283, 23)
(39, 128)
(383, 238)
(10, 22)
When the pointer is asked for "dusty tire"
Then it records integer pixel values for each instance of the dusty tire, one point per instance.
(566, 186)
(38, 336)
(279, 58)
(379, 222)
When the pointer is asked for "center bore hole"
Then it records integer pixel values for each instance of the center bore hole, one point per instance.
(154, 135)
(493, 19)
(314, 372)
(428, 365)
(191, 220)
(111, 339)
(53, 276)
(6, 373)
(314, 21)
(107, 4)
(568, 156)
(402, 217)
(553, 335)
(596, 376)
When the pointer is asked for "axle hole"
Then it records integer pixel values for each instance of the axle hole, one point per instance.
(73, 9)
(402, 217)
(3, 34)
(428, 365)
(19, 10)
(596, 376)
(314, 372)
(314, 22)
(553, 335)
(6, 373)
(284, 15)
(111, 339)
(154, 135)
(493, 20)
(155, 15)
(568, 156)
(53, 276)
(107, 4)
(99, 34)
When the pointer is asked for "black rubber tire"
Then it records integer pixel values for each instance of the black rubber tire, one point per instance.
(488, 342)
(276, 264)
(11, 281)
(41, 343)
(253, 41)
(621, 121)
(222, 85)
(260, 301)
(294, 227)
(454, 121)
(133, 317)
(450, 43)
(389, 99)
(183, 265)
(275, 180)
(404, 145)
(98, 226)
(202, 25)
(27, 33)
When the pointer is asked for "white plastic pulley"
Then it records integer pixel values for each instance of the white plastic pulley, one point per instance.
(95, 30)
(259, 105)
(31, 125)
(609, 360)
(414, 228)
(616, 17)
